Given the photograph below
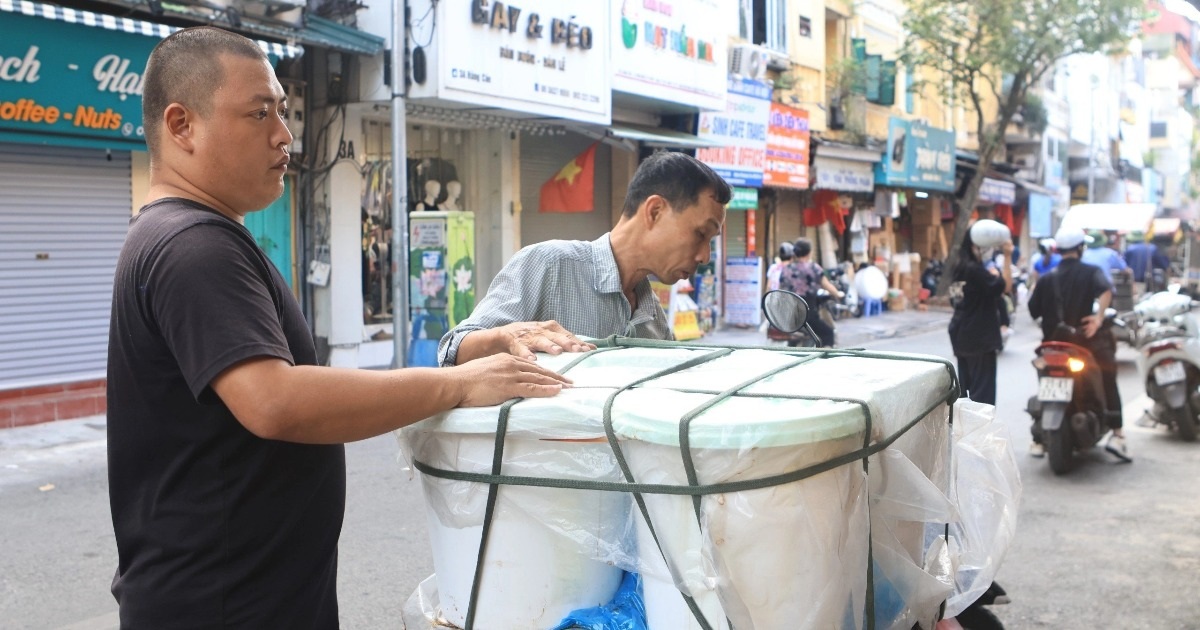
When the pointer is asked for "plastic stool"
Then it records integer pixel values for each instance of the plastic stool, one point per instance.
(872, 307)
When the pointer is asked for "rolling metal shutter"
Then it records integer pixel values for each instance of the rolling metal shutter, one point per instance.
(542, 157)
(63, 217)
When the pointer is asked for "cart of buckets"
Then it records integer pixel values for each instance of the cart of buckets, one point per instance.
(680, 487)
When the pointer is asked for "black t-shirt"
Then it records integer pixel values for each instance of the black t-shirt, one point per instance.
(975, 325)
(1078, 285)
(215, 527)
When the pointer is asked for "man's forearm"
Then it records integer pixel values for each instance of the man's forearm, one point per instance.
(480, 343)
(1105, 300)
(323, 405)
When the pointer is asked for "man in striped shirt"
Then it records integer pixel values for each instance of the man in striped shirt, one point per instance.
(552, 291)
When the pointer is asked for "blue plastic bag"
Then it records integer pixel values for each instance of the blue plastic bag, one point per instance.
(626, 611)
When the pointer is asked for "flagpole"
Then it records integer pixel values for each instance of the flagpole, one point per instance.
(399, 248)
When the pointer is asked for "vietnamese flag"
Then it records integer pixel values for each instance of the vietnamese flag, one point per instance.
(573, 188)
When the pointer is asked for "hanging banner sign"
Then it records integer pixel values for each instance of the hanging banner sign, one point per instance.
(742, 130)
(674, 51)
(787, 148)
(918, 156)
(743, 199)
(844, 175)
(535, 56)
(997, 191)
(72, 80)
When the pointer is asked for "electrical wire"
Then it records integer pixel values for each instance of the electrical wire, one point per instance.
(420, 21)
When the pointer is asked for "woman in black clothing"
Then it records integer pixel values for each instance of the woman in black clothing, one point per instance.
(975, 326)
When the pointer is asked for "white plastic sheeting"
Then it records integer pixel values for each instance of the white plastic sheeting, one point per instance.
(789, 555)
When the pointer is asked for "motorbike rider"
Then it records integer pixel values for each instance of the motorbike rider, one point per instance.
(1071, 289)
(803, 277)
(785, 258)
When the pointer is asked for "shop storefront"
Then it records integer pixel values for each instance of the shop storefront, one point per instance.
(847, 174)
(483, 130)
(741, 131)
(918, 168)
(73, 170)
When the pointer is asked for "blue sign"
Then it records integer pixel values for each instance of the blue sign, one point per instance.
(1041, 208)
(918, 156)
(72, 81)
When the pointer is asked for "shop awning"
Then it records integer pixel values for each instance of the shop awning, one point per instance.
(842, 151)
(1116, 217)
(329, 34)
(1031, 187)
(120, 24)
(668, 138)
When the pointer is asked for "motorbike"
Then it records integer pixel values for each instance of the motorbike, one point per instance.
(1069, 409)
(931, 276)
(849, 305)
(1169, 360)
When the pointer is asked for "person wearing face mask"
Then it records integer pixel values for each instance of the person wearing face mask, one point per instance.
(975, 326)
(552, 291)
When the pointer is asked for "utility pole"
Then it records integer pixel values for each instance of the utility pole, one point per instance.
(399, 248)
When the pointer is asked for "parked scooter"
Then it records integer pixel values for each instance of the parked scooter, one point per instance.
(1169, 360)
(1069, 409)
(849, 305)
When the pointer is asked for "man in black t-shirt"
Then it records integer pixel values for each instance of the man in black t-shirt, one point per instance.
(226, 468)
(1072, 289)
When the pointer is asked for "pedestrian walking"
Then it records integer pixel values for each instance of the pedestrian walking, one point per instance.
(975, 334)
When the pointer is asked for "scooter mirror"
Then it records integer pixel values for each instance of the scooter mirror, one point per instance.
(785, 310)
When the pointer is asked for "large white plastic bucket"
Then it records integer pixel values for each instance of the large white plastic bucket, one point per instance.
(538, 567)
(787, 556)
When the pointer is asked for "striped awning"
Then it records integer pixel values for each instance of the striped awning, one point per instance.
(125, 25)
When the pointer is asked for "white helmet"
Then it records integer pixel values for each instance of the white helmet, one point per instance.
(1070, 238)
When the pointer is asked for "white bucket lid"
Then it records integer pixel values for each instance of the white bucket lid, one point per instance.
(738, 423)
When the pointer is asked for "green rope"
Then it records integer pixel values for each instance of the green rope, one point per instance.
(489, 510)
(693, 487)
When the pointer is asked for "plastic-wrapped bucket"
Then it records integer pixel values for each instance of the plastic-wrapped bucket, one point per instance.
(786, 556)
(540, 563)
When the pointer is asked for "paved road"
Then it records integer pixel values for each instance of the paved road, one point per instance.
(1110, 546)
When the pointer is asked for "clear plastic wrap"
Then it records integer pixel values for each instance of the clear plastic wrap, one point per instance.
(795, 552)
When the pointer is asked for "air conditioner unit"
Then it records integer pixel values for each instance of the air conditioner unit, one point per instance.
(749, 61)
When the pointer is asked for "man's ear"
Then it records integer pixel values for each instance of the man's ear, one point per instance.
(653, 209)
(178, 126)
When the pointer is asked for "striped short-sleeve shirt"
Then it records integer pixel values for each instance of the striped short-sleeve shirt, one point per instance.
(575, 283)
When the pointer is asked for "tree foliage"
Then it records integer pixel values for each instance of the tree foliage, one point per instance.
(981, 51)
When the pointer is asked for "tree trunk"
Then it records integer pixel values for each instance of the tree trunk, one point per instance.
(987, 153)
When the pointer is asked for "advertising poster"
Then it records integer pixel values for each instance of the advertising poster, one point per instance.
(673, 51)
(743, 291)
(787, 148)
(741, 129)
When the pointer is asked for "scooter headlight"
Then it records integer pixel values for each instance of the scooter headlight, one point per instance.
(1076, 365)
